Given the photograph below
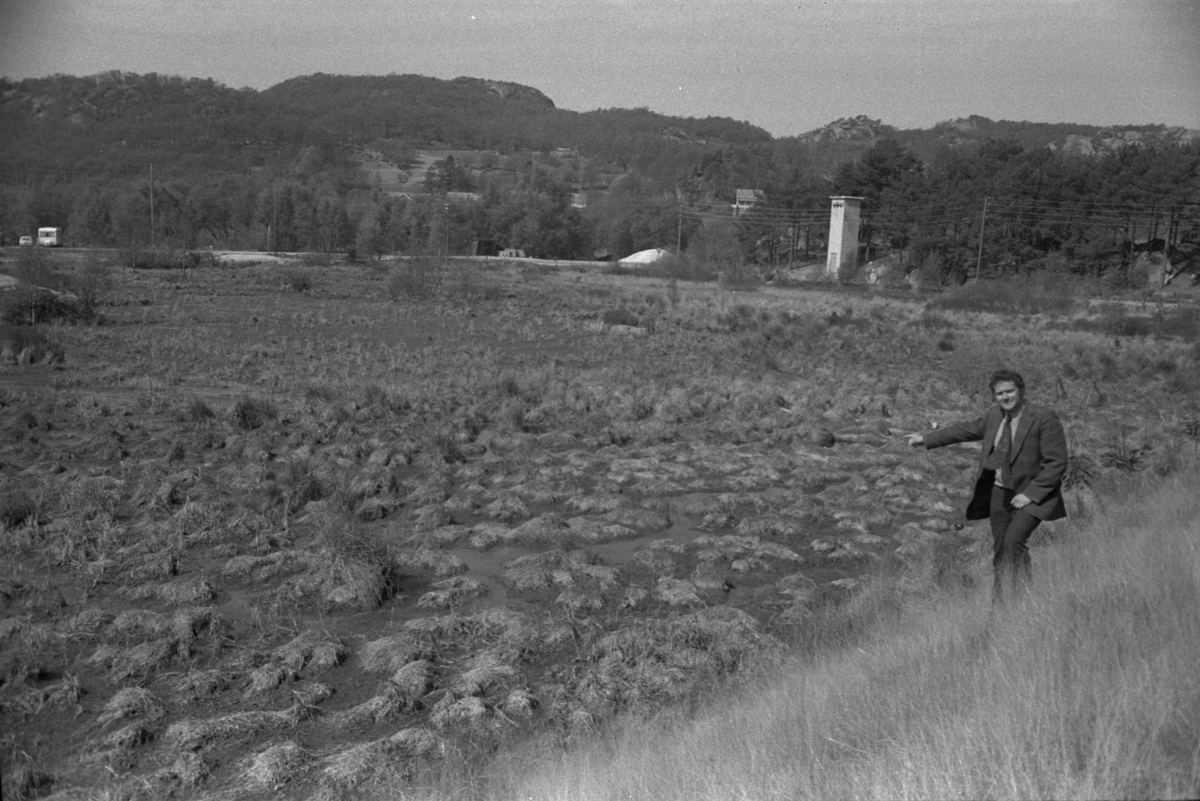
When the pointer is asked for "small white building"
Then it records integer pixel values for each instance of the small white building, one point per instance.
(744, 200)
(843, 234)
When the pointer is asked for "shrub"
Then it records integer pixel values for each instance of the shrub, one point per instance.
(300, 280)
(316, 259)
(416, 278)
(32, 305)
(620, 316)
(92, 285)
(164, 258)
(1008, 296)
(934, 322)
(45, 294)
(681, 267)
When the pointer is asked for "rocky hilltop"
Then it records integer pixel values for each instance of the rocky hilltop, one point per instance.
(1112, 139)
(848, 129)
(506, 90)
(850, 136)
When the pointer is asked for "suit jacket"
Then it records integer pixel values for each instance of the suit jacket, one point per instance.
(1038, 459)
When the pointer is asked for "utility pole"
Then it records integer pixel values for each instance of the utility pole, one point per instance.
(152, 204)
(679, 232)
(982, 223)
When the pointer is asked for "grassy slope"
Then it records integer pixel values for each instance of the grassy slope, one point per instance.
(1085, 689)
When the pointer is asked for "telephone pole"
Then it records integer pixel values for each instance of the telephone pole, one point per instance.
(152, 204)
(982, 223)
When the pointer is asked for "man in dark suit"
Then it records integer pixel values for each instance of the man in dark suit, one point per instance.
(1021, 467)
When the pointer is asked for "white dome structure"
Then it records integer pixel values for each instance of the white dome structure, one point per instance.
(643, 257)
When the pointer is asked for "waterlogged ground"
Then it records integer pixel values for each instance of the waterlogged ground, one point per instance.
(264, 541)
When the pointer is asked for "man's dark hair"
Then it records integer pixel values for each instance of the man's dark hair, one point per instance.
(1007, 375)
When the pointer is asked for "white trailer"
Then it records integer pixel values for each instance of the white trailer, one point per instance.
(50, 237)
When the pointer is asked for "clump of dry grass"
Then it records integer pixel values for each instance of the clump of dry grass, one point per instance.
(641, 666)
(391, 653)
(267, 677)
(187, 592)
(358, 569)
(160, 641)
(198, 411)
(470, 714)
(311, 650)
(188, 771)
(26, 781)
(126, 738)
(452, 592)
(137, 624)
(64, 693)
(18, 505)
(380, 768)
(198, 684)
(276, 765)
(389, 704)
(485, 672)
(428, 560)
(192, 735)
(414, 679)
(262, 568)
(132, 702)
(250, 413)
(297, 484)
(137, 663)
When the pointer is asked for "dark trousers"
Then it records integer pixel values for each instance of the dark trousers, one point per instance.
(1011, 530)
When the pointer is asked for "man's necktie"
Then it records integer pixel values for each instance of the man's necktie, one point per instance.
(1004, 450)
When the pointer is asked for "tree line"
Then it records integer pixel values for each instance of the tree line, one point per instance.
(123, 160)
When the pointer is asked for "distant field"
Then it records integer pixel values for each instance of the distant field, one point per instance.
(341, 529)
(409, 177)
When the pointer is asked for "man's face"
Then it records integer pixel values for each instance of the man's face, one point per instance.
(1008, 396)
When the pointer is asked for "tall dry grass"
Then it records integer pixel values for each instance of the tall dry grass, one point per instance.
(1086, 688)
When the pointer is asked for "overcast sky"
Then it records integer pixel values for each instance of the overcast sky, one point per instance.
(786, 65)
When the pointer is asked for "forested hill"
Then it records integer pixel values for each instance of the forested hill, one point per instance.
(846, 139)
(116, 122)
(386, 163)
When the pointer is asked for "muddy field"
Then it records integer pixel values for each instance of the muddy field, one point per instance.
(316, 537)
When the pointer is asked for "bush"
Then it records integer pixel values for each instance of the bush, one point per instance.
(26, 345)
(681, 267)
(316, 259)
(1035, 295)
(300, 280)
(34, 305)
(160, 258)
(92, 285)
(620, 316)
(46, 294)
(416, 278)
